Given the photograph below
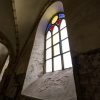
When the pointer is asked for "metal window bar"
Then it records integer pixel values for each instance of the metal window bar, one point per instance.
(52, 47)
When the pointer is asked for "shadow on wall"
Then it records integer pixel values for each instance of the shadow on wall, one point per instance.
(4, 59)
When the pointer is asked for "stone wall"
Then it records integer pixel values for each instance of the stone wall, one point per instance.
(88, 74)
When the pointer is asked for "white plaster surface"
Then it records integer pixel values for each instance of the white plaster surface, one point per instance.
(57, 85)
(35, 67)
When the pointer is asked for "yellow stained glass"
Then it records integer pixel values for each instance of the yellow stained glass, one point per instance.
(54, 19)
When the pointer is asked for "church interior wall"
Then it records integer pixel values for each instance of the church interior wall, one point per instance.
(83, 27)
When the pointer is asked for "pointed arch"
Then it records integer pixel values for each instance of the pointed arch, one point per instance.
(57, 46)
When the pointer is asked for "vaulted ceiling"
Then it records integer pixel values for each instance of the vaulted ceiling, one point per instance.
(27, 12)
(19, 17)
(17, 20)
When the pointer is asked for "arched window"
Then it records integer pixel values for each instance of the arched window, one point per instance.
(57, 50)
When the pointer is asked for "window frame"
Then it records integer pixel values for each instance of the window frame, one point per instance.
(52, 45)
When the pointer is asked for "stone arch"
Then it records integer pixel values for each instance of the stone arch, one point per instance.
(6, 43)
(4, 40)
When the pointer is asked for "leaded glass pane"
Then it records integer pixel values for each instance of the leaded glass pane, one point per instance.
(49, 65)
(51, 28)
(63, 24)
(56, 38)
(48, 34)
(56, 50)
(48, 43)
(57, 63)
(58, 22)
(55, 30)
(48, 53)
(54, 19)
(61, 15)
(48, 27)
(64, 33)
(67, 60)
(65, 45)
(57, 27)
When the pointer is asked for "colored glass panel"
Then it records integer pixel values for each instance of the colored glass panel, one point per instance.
(61, 15)
(53, 57)
(51, 28)
(64, 33)
(54, 19)
(48, 27)
(58, 22)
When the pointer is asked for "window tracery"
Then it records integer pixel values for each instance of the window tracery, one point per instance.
(57, 50)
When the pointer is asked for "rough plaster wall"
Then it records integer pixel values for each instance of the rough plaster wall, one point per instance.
(88, 68)
(57, 85)
(25, 56)
(84, 33)
(35, 67)
(7, 21)
(83, 24)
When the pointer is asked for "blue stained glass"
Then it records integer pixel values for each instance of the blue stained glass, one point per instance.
(61, 15)
(48, 27)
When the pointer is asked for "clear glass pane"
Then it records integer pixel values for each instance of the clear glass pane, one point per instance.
(64, 33)
(48, 43)
(67, 60)
(55, 30)
(63, 24)
(56, 50)
(56, 38)
(48, 34)
(48, 53)
(57, 63)
(49, 65)
(65, 45)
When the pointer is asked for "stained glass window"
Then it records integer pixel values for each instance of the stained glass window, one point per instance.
(57, 49)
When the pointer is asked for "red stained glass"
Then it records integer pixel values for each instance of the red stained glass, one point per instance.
(51, 28)
(58, 22)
